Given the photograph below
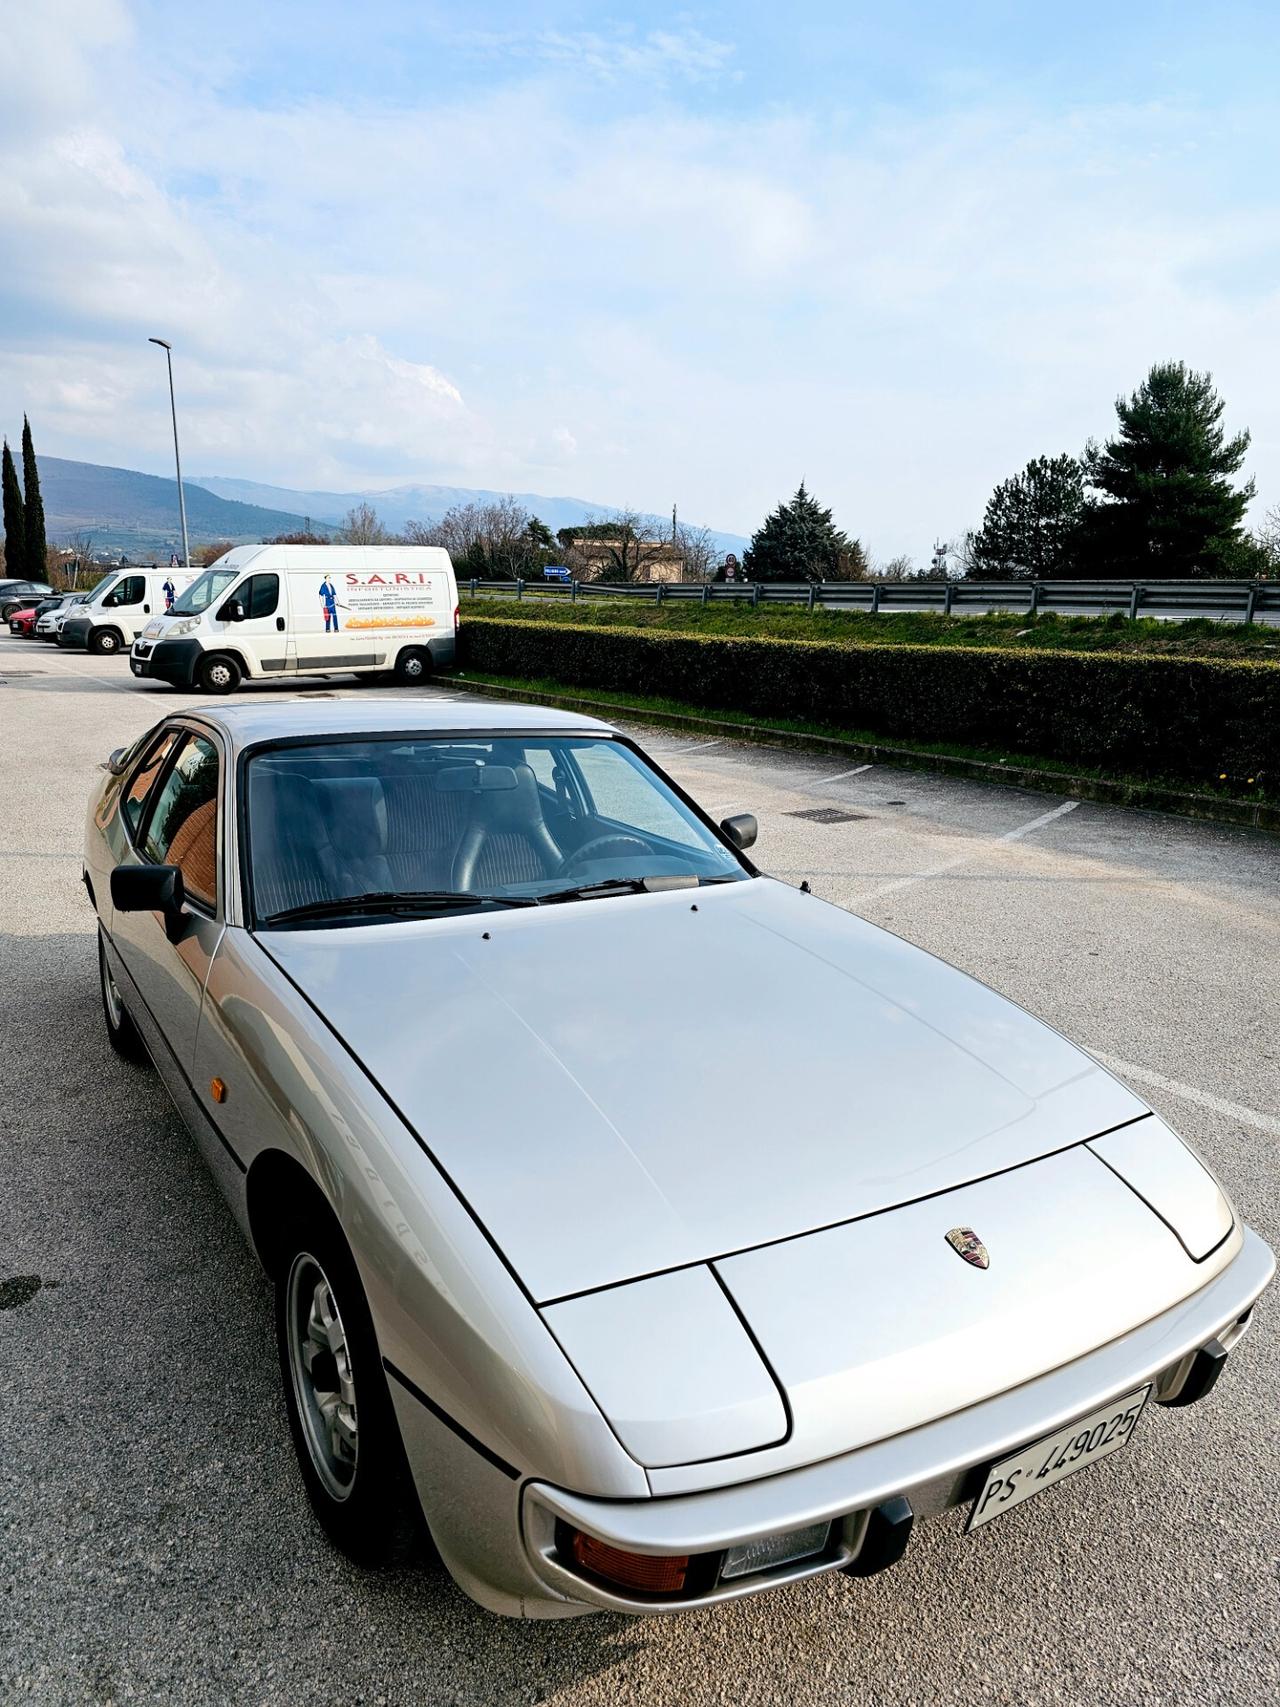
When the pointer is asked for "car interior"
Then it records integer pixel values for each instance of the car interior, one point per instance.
(486, 817)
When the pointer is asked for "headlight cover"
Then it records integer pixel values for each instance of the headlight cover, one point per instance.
(1155, 1163)
(188, 625)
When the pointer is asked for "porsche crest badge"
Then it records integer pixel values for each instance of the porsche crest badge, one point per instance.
(966, 1243)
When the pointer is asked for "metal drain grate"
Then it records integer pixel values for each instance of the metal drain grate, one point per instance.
(827, 815)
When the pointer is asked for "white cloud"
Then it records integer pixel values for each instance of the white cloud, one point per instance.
(616, 55)
(699, 307)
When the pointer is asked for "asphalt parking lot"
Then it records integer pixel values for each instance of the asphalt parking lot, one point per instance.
(155, 1544)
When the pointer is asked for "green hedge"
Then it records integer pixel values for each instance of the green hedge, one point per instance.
(1184, 718)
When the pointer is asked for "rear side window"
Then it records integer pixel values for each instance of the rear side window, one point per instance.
(182, 826)
(141, 782)
(260, 595)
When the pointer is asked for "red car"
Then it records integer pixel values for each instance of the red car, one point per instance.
(23, 622)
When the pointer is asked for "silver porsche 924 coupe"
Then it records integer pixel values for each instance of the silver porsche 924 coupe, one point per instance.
(659, 1232)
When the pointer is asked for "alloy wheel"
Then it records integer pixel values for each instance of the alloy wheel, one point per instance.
(320, 1369)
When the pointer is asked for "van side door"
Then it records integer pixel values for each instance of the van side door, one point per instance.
(251, 619)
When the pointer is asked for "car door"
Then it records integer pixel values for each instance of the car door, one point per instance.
(260, 636)
(129, 605)
(180, 824)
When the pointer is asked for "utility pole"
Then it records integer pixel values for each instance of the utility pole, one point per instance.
(173, 410)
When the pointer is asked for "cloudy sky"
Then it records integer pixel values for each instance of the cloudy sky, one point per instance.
(636, 256)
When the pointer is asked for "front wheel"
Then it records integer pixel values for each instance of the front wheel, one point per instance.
(340, 1412)
(413, 666)
(218, 673)
(105, 642)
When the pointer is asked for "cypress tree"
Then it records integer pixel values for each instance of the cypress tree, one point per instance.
(15, 533)
(32, 510)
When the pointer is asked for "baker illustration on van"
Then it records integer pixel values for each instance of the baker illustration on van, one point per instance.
(255, 615)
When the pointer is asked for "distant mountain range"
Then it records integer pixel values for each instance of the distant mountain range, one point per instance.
(397, 505)
(124, 511)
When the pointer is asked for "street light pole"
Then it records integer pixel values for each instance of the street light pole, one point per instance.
(173, 410)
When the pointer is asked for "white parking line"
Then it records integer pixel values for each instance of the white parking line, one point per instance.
(840, 776)
(968, 857)
(698, 747)
(1203, 1099)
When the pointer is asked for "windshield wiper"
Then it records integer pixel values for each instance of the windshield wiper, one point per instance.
(407, 901)
(620, 886)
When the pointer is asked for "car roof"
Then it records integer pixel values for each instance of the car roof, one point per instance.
(250, 723)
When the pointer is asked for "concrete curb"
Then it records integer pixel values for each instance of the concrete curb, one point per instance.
(1253, 814)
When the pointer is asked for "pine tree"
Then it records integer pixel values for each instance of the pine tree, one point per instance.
(1167, 505)
(1031, 527)
(15, 533)
(800, 542)
(32, 510)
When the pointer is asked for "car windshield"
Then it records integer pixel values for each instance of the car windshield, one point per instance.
(203, 591)
(370, 829)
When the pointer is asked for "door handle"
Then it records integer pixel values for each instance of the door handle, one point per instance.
(280, 625)
(146, 610)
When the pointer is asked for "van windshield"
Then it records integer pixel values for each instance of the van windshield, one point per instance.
(203, 591)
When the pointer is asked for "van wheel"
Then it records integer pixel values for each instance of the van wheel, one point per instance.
(413, 666)
(218, 673)
(105, 641)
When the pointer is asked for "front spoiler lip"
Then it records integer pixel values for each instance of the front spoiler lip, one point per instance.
(932, 1466)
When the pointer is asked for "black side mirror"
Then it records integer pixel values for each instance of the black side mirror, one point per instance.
(115, 764)
(741, 830)
(232, 611)
(150, 889)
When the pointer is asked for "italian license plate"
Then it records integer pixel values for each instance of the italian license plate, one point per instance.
(1058, 1456)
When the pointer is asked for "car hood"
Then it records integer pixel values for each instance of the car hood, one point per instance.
(627, 1085)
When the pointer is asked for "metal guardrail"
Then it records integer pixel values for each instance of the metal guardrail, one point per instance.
(1222, 601)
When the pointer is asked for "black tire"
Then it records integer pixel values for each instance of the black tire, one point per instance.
(218, 673)
(122, 1034)
(369, 1510)
(413, 666)
(105, 642)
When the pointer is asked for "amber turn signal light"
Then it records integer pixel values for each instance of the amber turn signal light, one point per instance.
(644, 1571)
(217, 1090)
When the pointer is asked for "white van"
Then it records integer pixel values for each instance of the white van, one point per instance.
(267, 612)
(117, 610)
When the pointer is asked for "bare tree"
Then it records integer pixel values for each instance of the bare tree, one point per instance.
(362, 527)
(698, 548)
(208, 554)
(900, 568)
(1267, 539)
(497, 541)
(78, 562)
(621, 547)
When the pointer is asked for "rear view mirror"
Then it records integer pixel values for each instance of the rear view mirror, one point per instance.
(150, 889)
(741, 830)
(116, 763)
(232, 611)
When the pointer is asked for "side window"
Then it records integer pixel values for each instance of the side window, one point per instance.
(140, 783)
(182, 827)
(129, 591)
(543, 766)
(261, 595)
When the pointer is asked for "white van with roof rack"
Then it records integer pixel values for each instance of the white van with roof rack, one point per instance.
(273, 612)
(114, 614)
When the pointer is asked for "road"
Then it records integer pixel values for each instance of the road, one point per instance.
(155, 1545)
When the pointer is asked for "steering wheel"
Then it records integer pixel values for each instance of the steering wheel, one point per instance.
(591, 849)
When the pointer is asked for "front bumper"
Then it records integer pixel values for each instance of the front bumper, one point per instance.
(75, 634)
(940, 1465)
(172, 661)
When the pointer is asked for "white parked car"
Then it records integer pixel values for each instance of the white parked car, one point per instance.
(640, 1310)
